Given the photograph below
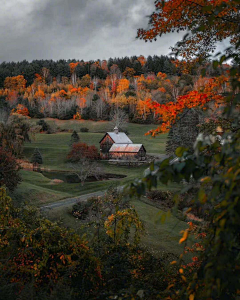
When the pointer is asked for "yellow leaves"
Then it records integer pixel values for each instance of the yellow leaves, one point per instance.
(118, 225)
(185, 236)
(173, 262)
(191, 297)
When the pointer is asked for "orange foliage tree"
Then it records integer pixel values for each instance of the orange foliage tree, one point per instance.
(182, 15)
(143, 108)
(142, 60)
(123, 85)
(168, 113)
(15, 82)
(39, 93)
(73, 73)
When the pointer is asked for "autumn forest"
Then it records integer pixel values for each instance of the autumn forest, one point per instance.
(93, 90)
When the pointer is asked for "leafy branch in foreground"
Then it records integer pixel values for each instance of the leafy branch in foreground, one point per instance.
(214, 168)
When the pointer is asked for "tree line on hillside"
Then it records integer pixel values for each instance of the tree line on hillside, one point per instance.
(98, 68)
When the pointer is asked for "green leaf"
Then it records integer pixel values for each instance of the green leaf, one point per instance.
(152, 166)
(179, 166)
(223, 57)
(202, 196)
(180, 150)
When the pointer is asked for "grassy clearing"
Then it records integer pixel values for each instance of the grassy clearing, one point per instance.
(35, 189)
(58, 144)
(55, 147)
(158, 238)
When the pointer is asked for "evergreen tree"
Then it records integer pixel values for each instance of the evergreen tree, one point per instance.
(137, 67)
(184, 132)
(37, 157)
(74, 138)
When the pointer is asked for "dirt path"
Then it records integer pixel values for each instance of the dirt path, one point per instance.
(70, 201)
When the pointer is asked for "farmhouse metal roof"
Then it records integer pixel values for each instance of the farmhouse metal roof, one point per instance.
(129, 148)
(120, 138)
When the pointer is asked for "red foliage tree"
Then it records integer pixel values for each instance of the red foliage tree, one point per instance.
(21, 110)
(168, 113)
(82, 150)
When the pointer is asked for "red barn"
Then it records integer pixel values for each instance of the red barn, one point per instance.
(117, 145)
(127, 151)
(111, 138)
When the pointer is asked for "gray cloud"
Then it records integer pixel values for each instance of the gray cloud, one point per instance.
(81, 29)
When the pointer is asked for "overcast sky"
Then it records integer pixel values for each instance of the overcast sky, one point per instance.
(80, 29)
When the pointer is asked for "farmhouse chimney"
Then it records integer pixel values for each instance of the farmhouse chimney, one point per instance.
(116, 129)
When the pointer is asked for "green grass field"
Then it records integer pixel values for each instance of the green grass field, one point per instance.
(38, 190)
(54, 147)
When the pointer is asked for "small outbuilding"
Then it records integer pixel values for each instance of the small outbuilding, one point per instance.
(127, 151)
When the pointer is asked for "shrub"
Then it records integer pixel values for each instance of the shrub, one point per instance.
(44, 125)
(163, 197)
(81, 210)
(84, 129)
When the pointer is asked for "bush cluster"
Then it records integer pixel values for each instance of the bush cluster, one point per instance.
(165, 198)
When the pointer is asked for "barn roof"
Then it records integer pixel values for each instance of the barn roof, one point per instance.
(119, 138)
(129, 148)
